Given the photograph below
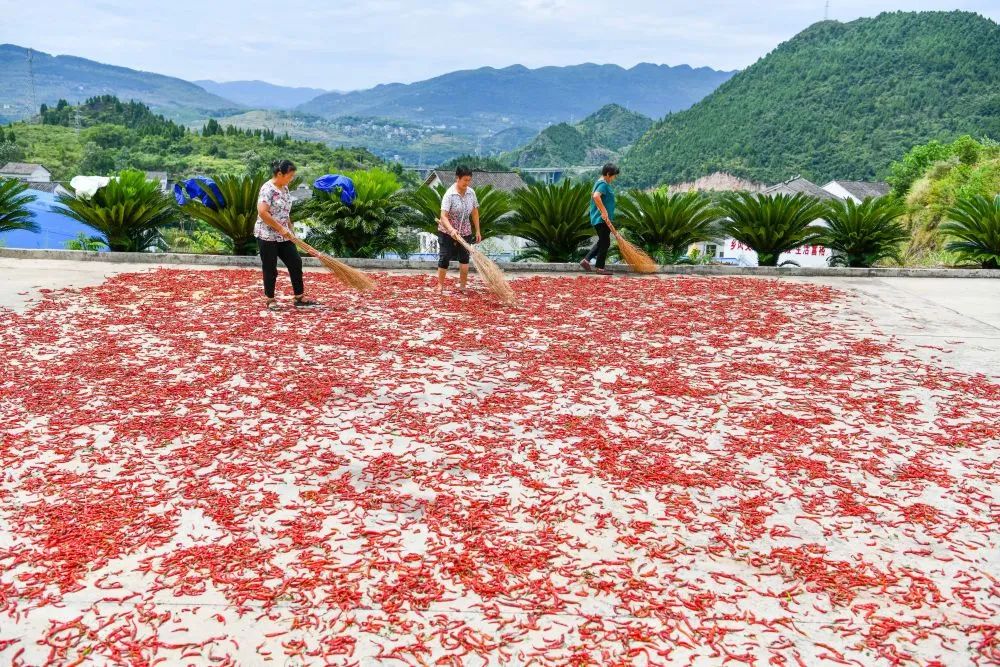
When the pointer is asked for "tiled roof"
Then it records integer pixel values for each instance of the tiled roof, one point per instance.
(501, 180)
(25, 168)
(47, 187)
(864, 189)
(795, 186)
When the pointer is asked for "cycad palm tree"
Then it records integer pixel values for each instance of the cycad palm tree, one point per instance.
(665, 225)
(369, 227)
(494, 209)
(553, 219)
(974, 229)
(863, 234)
(234, 216)
(771, 224)
(127, 212)
(14, 213)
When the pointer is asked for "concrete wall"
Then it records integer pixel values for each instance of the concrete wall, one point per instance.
(513, 267)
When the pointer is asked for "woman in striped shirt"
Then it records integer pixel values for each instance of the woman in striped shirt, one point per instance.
(459, 215)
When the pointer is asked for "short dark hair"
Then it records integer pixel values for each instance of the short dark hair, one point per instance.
(282, 167)
(610, 169)
(462, 171)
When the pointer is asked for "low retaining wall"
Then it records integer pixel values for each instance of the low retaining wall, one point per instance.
(512, 267)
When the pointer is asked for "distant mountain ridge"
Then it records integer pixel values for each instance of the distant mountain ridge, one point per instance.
(261, 94)
(838, 100)
(497, 99)
(596, 139)
(77, 79)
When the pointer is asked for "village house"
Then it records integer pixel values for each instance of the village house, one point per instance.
(26, 171)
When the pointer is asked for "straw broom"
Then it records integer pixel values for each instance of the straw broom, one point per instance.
(348, 275)
(342, 272)
(633, 256)
(491, 274)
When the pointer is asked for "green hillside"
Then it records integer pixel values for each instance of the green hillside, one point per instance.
(837, 101)
(77, 79)
(105, 135)
(596, 139)
(933, 177)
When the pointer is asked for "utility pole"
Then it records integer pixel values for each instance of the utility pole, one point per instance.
(826, 12)
(31, 78)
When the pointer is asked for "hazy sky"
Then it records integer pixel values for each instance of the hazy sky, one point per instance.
(348, 45)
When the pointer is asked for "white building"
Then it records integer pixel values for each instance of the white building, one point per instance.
(25, 171)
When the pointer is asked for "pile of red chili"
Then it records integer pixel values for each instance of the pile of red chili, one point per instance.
(680, 471)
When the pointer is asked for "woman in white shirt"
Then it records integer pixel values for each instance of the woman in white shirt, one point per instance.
(459, 215)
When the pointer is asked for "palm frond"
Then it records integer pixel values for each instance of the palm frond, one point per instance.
(553, 219)
(369, 227)
(863, 234)
(127, 212)
(14, 213)
(666, 225)
(771, 224)
(973, 228)
(236, 215)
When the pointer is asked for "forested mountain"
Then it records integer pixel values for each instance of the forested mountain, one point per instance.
(105, 135)
(77, 79)
(596, 139)
(839, 100)
(489, 99)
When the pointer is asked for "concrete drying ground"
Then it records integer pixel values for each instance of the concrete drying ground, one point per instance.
(668, 470)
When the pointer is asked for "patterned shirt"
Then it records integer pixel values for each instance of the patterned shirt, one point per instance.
(459, 209)
(280, 203)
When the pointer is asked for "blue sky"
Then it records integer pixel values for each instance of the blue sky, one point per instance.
(349, 45)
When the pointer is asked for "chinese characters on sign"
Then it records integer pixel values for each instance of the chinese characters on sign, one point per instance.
(803, 250)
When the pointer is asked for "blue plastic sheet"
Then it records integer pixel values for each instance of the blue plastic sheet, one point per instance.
(55, 228)
(194, 188)
(331, 182)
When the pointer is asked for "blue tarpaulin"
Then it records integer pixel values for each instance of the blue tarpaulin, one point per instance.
(331, 182)
(55, 229)
(194, 188)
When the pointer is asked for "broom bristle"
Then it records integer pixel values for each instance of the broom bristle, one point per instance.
(634, 257)
(492, 276)
(348, 275)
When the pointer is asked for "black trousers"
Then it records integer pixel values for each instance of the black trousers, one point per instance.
(270, 252)
(600, 249)
(449, 249)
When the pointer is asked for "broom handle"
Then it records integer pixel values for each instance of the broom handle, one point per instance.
(288, 234)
